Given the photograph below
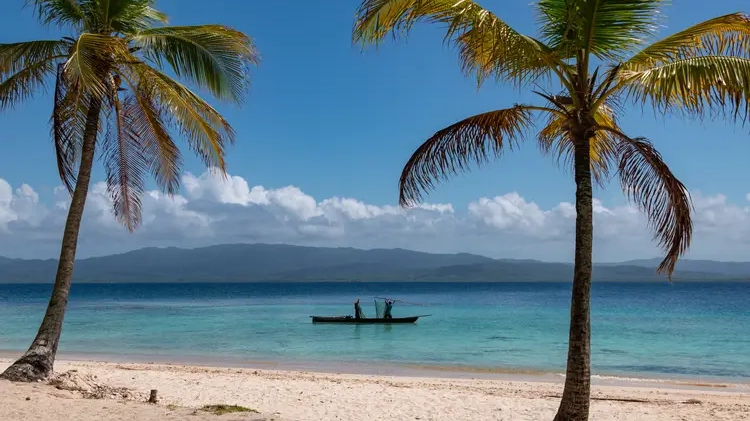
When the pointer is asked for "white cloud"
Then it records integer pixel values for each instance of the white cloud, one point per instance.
(214, 209)
(19, 206)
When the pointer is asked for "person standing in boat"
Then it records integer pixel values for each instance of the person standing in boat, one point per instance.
(388, 308)
(357, 310)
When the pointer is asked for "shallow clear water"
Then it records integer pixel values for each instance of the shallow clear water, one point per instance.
(686, 329)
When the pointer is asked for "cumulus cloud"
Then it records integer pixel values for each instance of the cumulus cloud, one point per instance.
(214, 210)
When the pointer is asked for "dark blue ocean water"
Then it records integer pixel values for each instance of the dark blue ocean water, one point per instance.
(656, 329)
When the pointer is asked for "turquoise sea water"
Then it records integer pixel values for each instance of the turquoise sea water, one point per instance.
(652, 329)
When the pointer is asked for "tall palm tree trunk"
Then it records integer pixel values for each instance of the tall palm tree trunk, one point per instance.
(37, 363)
(574, 405)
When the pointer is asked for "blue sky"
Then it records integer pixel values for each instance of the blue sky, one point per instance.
(335, 121)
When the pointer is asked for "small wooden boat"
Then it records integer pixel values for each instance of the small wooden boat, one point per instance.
(363, 321)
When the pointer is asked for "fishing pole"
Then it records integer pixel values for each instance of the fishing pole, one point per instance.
(401, 301)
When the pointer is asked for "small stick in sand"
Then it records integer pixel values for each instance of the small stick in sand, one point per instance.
(152, 398)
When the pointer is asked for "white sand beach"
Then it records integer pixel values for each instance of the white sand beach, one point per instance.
(117, 391)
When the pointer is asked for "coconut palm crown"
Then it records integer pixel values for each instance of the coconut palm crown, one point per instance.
(114, 65)
(588, 59)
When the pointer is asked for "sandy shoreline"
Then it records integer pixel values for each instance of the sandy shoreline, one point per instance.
(303, 395)
(407, 370)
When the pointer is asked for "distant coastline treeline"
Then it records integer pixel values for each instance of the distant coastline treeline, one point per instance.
(287, 263)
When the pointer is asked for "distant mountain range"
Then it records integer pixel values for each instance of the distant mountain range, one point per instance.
(281, 263)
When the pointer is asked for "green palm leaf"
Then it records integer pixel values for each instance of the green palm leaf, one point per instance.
(17, 56)
(723, 35)
(126, 16)
(60, 13)
(212, 56)
(206, 131)
(608, 29)
(149, 122)
(487, 45)
(25, 68)
(716, 85)
(91, 59)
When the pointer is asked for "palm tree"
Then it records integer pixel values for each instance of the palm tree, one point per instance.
(589, 56)
(111, 73)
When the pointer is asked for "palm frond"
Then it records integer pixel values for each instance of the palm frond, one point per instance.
(149, 16)
(128, 16)
(487, 45)
(555, 141)
(696, 86)
(723, 35)
(650, 184)
(609, 29)
(451, 150)
(25, 82)
(17, 56)
(59, 13)
(125, 163)
(91, 58)
(207, 132)
(68, 122)
(148, 122)
(212, 56)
